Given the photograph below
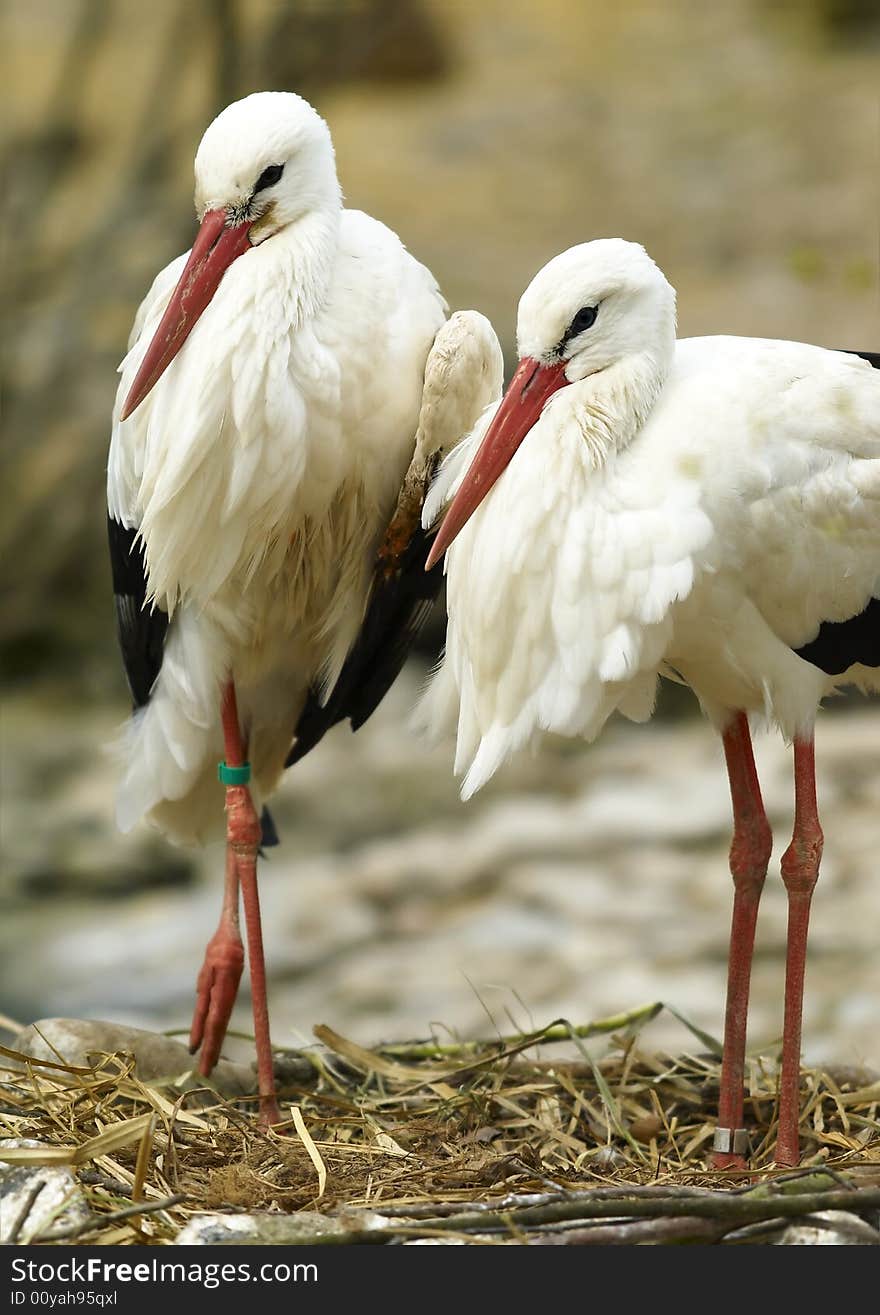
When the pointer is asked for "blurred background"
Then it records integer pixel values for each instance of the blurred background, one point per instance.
(740, 142)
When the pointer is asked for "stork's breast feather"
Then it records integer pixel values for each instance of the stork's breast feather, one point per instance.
(560, 592)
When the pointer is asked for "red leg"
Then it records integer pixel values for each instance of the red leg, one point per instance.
(749, 856)
(243, 834)
(218, 981)
(800, 871)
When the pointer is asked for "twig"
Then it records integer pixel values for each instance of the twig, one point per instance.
(91, 1178)
(740, 1209)
(755, 1232)
(795, 1184)
(101, 1221)
(430, 1210)
(559, 1031)
(25, 1210)
(684, 1229)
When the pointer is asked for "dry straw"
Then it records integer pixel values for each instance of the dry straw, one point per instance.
(527, 1137)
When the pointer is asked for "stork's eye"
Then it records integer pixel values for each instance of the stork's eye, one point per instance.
(585, 319)
(268, 178)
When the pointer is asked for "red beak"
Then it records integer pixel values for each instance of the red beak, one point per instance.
(520, 408)
(214, 250)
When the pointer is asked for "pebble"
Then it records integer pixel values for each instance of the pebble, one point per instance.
(60, 1202)
(838, 1228)
(301, 1229)
(81, 1041)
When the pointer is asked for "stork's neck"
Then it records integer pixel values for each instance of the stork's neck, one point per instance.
(301, 260)
(612, 405)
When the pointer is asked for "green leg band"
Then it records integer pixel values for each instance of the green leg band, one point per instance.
(233, 775)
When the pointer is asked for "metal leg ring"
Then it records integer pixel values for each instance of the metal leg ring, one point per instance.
(731, 1141)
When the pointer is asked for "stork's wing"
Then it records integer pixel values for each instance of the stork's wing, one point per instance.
(401, 599)
(841, 644)
(141, 630)
(463, 375)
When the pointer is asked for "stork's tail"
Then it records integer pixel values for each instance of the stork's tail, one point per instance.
(171, 746)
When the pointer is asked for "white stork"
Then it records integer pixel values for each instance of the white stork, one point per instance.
(289, 388)
(706, 509)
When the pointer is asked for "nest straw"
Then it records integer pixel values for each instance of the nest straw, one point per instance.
(513, 1139)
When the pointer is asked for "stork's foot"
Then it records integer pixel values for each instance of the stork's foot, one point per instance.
(270, 1114)
(216, 991)
(723, 1161)
(788, 1154)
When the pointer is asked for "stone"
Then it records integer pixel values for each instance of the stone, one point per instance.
(838, 1228)
(305, 1228)
(60, 1202)
(78, 1041)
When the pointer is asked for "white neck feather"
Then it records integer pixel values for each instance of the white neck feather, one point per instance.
(304, 253)
(611, 406)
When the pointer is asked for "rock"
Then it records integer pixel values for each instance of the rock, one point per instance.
(58, 1204)
(305, 1228)
(78, 1041)
(447, 1241)
(838, 1228)
(850, 1077)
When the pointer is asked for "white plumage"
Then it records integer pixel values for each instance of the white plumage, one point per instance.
(635, 506)
(694, 507)
(262, 468)
(290, 385)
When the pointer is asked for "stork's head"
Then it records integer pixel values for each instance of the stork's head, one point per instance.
(265, 161)
(262, 164)
(586, 311)
(593, 305)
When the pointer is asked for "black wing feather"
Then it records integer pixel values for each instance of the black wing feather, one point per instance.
(141, 630)
(841, 644)
(402, 597)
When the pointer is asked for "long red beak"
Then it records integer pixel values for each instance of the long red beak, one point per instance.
(520, 408)
(214, 250)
